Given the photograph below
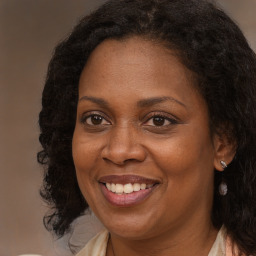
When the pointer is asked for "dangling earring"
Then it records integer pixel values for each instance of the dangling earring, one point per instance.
(223, 188)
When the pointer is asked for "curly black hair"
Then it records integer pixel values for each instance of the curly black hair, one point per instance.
(211, 45)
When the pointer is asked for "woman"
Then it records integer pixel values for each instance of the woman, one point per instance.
(149, 116)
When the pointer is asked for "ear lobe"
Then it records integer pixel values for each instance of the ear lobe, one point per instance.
(225, 150)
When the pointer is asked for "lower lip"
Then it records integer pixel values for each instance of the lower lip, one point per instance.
(126, 199)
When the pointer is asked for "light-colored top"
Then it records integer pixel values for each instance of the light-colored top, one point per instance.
(219, 245)
(97, 246)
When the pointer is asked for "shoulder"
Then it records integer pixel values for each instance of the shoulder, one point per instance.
(97, 246)
(223, 245)
(231, 249)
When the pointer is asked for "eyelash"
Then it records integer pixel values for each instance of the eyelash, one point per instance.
(90, 115)
(172, 121)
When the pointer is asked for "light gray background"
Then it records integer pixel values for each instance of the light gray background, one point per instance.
(29, 29)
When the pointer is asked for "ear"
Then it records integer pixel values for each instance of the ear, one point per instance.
(225, 150)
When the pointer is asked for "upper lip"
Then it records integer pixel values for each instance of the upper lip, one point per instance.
(125, 179)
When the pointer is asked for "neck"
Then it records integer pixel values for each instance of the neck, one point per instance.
(183, 242)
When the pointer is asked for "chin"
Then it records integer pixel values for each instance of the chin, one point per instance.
(130, 227)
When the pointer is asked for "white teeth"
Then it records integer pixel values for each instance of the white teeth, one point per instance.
(119, 188)
(143, 186)
(113, 187)
(108, 185)
(127, 188)
(136, 187)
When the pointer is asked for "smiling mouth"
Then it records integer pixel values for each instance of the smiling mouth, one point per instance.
(126, 190)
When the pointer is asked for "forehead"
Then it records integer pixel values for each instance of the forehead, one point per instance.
(137, 52)
(139, 67)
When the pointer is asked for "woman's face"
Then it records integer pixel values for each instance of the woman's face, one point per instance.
(141, 123)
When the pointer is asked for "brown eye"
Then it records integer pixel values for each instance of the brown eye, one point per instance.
(95, 120)
(158, 121)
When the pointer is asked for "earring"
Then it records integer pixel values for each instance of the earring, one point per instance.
(223, 164)
(223, 188)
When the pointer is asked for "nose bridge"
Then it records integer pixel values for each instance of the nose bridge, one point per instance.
(122, 136)
(123, 144)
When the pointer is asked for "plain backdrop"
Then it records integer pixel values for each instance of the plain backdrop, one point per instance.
(29, 30)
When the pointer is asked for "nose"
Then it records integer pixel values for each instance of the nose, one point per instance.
(123, 145)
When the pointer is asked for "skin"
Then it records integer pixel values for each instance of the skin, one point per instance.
(181, 153)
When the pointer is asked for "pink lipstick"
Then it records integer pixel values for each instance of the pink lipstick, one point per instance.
(126, 190)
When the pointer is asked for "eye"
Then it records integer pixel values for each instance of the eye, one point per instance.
(95, 120)
(158, 120)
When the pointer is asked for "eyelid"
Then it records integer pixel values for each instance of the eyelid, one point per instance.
(88, 114)
(172, 119)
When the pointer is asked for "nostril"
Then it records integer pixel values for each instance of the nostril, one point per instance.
(119, 161)
(123, 148)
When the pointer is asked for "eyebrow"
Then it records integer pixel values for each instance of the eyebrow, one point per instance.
(141, 103)
(156, 100)
(98, 101)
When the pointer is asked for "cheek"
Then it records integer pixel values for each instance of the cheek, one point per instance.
(187, 166)
(85, 157)
(82, 159)
(186, 159)
(85, 150)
